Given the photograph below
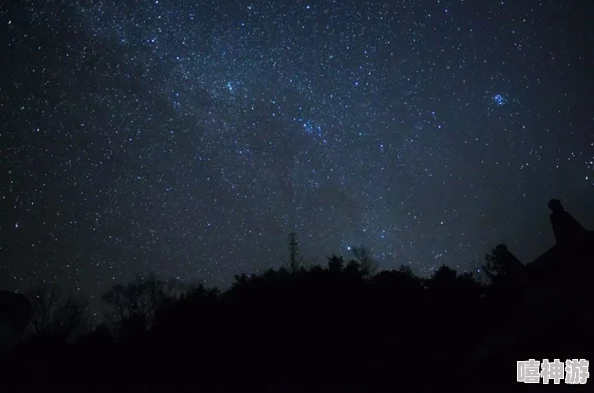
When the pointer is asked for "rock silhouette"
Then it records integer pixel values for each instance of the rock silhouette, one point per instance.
(15, 312)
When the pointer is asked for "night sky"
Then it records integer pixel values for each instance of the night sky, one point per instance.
(189, 137)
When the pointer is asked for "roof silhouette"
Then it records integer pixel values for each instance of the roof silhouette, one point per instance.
(574, 245)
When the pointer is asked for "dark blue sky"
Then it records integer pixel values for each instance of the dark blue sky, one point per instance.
(189, 138)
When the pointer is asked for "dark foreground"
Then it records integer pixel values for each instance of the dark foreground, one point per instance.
(332, 329)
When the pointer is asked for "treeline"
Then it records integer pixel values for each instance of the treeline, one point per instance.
(339, 327)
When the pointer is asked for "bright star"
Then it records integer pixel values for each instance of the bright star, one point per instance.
(499, 99)
(312, 128)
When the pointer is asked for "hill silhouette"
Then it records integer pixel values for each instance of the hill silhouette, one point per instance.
(332, 328)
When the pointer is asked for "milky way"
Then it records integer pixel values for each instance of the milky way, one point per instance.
(189, 137)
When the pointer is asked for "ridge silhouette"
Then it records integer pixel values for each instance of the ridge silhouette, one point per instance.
(337, 328)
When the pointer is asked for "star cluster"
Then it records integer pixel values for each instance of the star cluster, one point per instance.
(189, 138)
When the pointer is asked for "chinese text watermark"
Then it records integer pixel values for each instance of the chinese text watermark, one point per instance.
(573, 372)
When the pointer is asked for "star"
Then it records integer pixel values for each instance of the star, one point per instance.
(499, 100)
(189, 139)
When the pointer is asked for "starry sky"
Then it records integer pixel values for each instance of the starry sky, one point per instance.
(189, 137)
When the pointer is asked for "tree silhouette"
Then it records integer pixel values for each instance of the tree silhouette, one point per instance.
(406, 270)
(198, 292)
(357, 329)
(335, 264)
(368, 265)
(56, 314)
(444, 274)
(501, 266)
(133, 306)
(353, 269)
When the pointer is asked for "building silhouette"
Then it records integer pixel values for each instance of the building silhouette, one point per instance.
(547, 310)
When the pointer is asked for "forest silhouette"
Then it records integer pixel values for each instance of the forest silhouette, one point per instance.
(344, 326)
